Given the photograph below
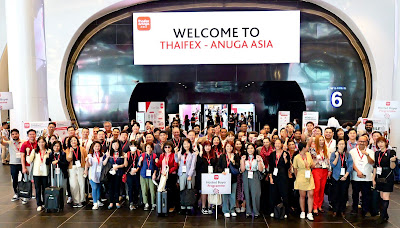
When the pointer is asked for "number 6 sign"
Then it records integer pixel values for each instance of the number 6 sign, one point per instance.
(336, 99)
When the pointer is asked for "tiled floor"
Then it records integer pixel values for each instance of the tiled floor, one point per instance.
(13, 214)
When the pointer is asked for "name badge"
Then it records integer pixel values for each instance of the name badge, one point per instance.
(78, 163)
(132, 171)
(324, 165)
(98, 169)
(114, 165)
(18, 155)
(57, 171)
(42, 167)
(148, 172)
(210, 169)
(184, 169)
(226, 170)
(250, 174)
(342, 171)
(360, 165)
(275, 173)
(379, 170)
(112, 172)
(307, 174)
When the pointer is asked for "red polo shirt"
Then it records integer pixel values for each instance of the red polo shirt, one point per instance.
(26, 145)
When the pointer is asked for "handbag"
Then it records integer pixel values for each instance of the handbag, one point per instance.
(383, 180)
(188, 197)
(163, 181)
(215, 199)
(25, 188)
(105, 172)
(124, 177)
(279, 211)
(233, 169)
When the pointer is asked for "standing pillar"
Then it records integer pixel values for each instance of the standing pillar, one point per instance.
(395, 124)
(26, 61)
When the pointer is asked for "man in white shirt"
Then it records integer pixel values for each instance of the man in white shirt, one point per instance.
(85, 141)
(363, 161)
(329, 141)
(13, 147)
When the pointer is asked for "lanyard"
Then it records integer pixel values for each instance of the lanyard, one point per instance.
(148, 161)
(41, 156)
(179, 142)
(77, 153)
(250, 161)
(304, 159)
(380, 157)
(277, 159)
(361, 157)
(184, 160)
(329, 144)
(342, 158)
(208, 159)
(124, 145)
(98, 158)
(166, 158)
(58, 158)
(351, 147)
(16, 145)
(322, 155)
(115, 157)
(228, 161)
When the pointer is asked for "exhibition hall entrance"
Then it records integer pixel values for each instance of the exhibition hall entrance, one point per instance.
(205, 103)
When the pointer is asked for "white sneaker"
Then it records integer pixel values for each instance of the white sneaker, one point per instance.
(69, 201)
(242, 209)
(24, 201)
(15, 198)
(146, 207)
(95, 206)
(33, 197)
(285, 216)
(100, 203)
(233, 214)
(272, 215)
(227, 215)
(310, 217)
(39, 208)
(302, 215)
(237, 210)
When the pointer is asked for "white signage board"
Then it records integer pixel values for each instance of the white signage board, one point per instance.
(154, 112)
(283, 119)
(386, 110)
(6, 101)
(140, 116)
(235, 37)
(380, 125)
(310, 117)
(61, 129)
(215, 183)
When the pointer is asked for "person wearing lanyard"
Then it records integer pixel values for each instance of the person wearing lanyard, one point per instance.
(52, 139)
(124, 142)
(279, 164)
(93, 162)
(147, 163)
(216, 146)
(25, 150)
(352, 142)
(227, 162)
(40, 172)
(264, 151)
(187, 170)
(240, 201)
(15, 158)
(104, 144)
(76, 156)
(206, 163)
(292, 193)
(133, 181)
(167, 159)
(363, 160)
(252, 165)
(375, 136)
(383, 177)
(177, 139)
(342, 167)
(116, 158)
(302, 164)
(320, 172)
(85, 141)
(59, 162)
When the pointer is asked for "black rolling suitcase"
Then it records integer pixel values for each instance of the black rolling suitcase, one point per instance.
(53, 195)
(162, 207)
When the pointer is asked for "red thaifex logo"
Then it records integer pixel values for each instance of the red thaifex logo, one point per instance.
(27, 125)
(387, 103)
(216, 177)
(143, 23)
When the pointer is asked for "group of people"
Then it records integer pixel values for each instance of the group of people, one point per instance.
(287, 169)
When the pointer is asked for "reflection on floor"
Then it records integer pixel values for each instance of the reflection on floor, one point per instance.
(13, 214)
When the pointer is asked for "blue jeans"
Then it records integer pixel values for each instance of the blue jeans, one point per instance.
(229, 200)
(95, 191)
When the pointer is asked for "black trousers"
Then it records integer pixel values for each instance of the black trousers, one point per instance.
(114, 184)
(279, 192)
(133, 182)
(172, 191)
(265, 197)
(15, 170)
(365, 188)
(339, 194)
(41, 182)
(293, 195)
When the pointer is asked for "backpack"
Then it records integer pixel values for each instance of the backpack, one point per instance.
(279, 211)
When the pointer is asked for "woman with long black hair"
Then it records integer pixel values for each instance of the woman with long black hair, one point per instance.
(240, 200)
(58, 158)
(216, 146)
